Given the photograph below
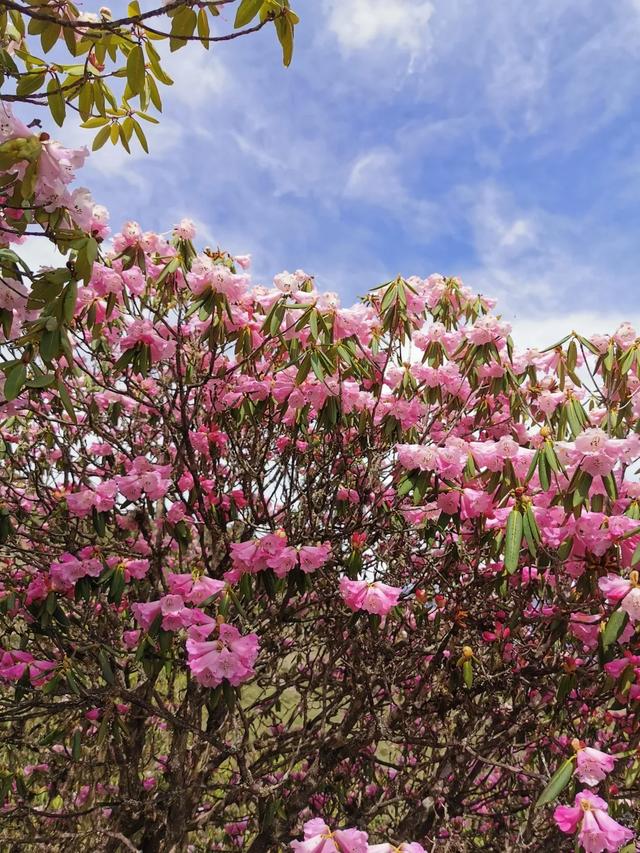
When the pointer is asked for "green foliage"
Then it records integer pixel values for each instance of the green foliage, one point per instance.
(116, 72)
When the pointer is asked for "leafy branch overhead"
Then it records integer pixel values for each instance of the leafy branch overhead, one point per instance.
(110, 71)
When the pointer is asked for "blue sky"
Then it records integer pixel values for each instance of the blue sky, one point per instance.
(491, 139)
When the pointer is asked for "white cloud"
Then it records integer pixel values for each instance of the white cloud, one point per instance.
(529, 259)
(364, 24)
(199, 77)
(39, 252)
(376, 178)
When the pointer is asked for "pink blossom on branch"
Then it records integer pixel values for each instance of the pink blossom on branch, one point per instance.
(597, 831)
(377, 597)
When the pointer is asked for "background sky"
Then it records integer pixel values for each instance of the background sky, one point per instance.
(490, 139)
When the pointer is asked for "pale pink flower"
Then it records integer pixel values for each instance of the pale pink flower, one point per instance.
(375, 597)
(318, 838)
(313, 557)
(627, 592)
(598, 831)
(230, 657)
(194, 589)
(185, 229)
(593, 765)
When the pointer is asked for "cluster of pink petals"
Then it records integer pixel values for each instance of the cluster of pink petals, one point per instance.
(144, 332)
(209, 275)
(627, 592)
(592, 451)
(450, 459)
(142, 477)
(173, 614)
(319, 838)
(377, 597)
(56, 170)
(630, 666)
(194, 588)
(592, 765)
(273, 552)
(230, 656)
(69, 568)
(14, 665)
(597, 830)
(101, 497)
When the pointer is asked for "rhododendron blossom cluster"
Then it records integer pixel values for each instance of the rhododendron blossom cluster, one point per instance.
(280, 574)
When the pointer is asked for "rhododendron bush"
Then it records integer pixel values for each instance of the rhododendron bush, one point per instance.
(278, 574)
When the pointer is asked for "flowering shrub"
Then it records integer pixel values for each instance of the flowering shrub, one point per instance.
(267, 562)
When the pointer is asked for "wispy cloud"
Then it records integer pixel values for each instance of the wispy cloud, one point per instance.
(375, 24)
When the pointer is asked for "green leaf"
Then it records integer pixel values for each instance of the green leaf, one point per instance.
(529, 535)
(101, 137)
(388, 298)
(29, 83)
(45, 380)
(566, 685)
(141, 137)
(229, 695)
(56, 102)
(467, 673)
(616, 624)
(203, 27)
(65, 399)
(14, 381)
(105, 666)
(284, 30)
(86, 255)
(582, 488)
(303, 370)
(69, 301)
(557, 783)
(182, 24)
(513, 540)
(117, 587)
(76, 745)
(50, 345)
(49, 36)
(135, 70)
(85, 101)
(156, 68)
(533, 466)
(154, 94)
(552, 459)
(247, 10)
(543, 472)
(610, 485)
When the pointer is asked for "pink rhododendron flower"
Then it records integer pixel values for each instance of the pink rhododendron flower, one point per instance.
(230, 657)
(375, 597)
(143, 332)
(146, 613)
(598, 831)
(593, 765)
(313, 557)
(194, 589)
(318, 838)
(627, 592)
